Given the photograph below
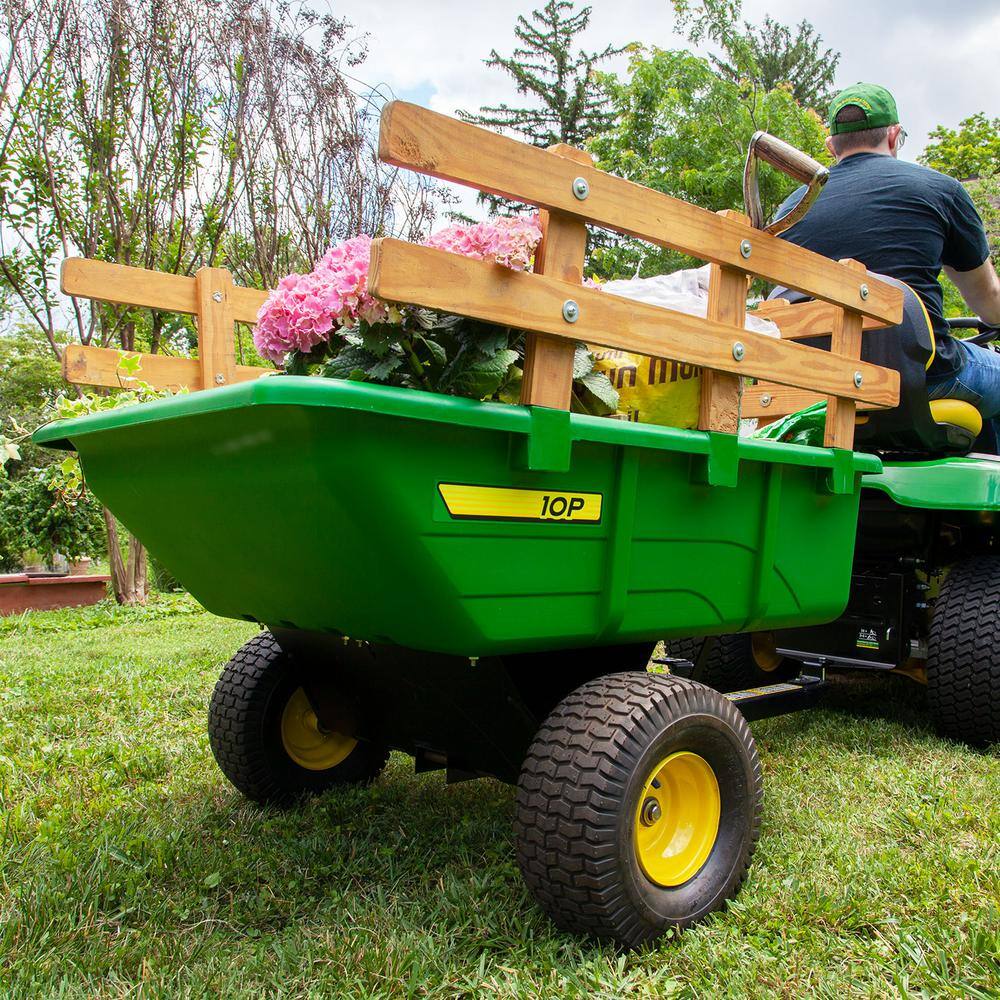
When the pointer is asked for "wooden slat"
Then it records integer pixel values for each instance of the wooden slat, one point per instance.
(806, 319)
(456, 151)
(727, 303)
(246, 303)
(548, 361)
(436, 279)
(845, 340)
(136, 286)
(99, 366)
(216, 328)
(783, 400)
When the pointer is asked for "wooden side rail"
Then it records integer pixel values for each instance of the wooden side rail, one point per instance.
(795, 321)
(210, 295)
(443, 147)
(436, 279)
(571, 192)
(768, 401)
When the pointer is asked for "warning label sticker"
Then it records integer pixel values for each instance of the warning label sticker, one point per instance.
(867, 638)
(501, 503)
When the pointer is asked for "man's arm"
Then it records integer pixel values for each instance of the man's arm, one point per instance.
(980, 288)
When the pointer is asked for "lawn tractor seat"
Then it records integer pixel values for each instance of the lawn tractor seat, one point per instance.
(917, 425)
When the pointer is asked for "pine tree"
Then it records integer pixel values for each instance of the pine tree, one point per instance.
(769, 56)
(569, 104)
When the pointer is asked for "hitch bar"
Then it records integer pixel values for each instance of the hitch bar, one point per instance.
(768, 699)
(778, 699)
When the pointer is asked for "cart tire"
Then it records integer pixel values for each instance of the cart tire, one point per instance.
(607, 851)
(963, 653)
(727, 662)
(265, 737)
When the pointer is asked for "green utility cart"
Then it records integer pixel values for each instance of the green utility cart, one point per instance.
(481, 585)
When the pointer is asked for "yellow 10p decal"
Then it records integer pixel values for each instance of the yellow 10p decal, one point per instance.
(498, 503)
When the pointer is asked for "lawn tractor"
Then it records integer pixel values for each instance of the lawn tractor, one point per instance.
(481, 585)
(925, 586)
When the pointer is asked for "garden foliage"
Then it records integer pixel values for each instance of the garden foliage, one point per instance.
(683, 129)
(32, 516)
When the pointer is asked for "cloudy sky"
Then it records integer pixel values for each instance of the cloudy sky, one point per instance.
(938, 58)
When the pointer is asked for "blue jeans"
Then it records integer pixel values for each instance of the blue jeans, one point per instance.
(977, 382)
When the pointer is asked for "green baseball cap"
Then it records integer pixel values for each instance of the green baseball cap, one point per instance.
(875, 101)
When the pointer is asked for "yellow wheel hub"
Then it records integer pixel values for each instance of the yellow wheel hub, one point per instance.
(306, 742)
(677, 819)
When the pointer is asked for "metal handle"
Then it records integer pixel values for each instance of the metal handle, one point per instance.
(788, 160)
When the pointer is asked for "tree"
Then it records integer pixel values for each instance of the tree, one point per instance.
(971, 154)
(970, 151)
(765, 56)
(130, 133)
(683, 129)
(568, 105)
(772, 56)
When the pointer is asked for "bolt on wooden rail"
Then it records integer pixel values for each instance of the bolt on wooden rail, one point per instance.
(551, 303)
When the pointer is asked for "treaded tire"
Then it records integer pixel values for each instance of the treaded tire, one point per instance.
(580, 788)
(726, 662)
(963, 653)
(244, 730)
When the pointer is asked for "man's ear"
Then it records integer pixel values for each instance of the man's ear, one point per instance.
(829, 147)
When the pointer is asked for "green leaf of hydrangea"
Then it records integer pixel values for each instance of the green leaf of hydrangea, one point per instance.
(598, 394)
(438, 354)
(583, 361)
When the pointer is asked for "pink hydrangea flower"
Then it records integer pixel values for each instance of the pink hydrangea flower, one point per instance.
(307, 309)
(508, 241)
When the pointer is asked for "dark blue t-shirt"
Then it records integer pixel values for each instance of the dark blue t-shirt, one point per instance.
(898, 219)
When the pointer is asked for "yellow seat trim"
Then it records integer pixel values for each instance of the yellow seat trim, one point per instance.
(957, 412)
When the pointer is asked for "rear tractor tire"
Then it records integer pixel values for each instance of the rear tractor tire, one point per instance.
(638, 807)
(963, 653)
(265, 735)
(733, 662)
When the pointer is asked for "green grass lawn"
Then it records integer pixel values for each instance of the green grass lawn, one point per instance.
(130, 868)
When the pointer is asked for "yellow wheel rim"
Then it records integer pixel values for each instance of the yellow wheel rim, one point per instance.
(306, 742)
(764, 653)
(677, 819)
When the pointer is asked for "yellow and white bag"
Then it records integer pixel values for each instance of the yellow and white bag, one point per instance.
(657, 390)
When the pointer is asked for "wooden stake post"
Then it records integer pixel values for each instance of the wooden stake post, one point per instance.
(548, 363)
(216, 327)
(846, 340)
(727, 303)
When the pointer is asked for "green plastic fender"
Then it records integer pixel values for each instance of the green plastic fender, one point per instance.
(967, 483)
